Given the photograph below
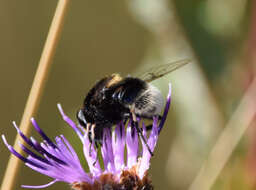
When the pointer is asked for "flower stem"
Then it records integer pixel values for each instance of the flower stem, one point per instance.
(228, 140)
(36, 89)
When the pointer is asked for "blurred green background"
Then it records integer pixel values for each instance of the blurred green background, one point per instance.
(104, 37)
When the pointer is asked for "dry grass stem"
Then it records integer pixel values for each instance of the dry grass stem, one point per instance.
(36, 89)
(227, 141)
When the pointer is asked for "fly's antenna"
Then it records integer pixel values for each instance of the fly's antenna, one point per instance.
(97, 150)
(91, 135)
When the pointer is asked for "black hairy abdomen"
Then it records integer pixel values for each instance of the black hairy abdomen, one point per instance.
(106, 105)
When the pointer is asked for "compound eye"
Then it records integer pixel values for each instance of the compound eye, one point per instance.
(129, 95)
(128, 99)
(81, 118)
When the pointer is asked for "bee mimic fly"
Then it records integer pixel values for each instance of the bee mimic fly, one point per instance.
(114, 99)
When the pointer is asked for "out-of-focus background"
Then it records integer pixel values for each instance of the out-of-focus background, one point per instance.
(104, 37)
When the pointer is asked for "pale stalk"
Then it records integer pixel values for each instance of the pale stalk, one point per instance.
(36, 89)
(227, 142)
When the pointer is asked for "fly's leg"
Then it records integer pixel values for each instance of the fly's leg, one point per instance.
(136, 124)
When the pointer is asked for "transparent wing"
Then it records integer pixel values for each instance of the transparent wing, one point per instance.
(161, 70)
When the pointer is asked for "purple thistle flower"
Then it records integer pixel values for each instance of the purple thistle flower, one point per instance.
(59, 161)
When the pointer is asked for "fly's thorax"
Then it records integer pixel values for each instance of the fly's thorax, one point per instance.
(149, 103)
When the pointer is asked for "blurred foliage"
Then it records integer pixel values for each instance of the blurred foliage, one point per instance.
(212, 49)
